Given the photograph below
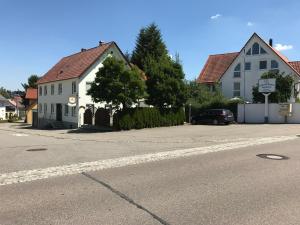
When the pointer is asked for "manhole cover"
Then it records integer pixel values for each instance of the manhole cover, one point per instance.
(36, 149)
(272, 156)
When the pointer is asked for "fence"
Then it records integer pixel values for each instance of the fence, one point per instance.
(255, 113)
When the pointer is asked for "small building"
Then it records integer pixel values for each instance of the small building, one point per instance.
(62, 91)
(31, 108)
(236, 73)
(7, 109)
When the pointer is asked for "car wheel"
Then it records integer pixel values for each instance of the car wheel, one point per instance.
(215, 122)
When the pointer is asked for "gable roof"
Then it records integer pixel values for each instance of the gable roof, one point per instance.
(212, 76)
(295, 65)
(31, 93)
(75, 65)
(216, 66)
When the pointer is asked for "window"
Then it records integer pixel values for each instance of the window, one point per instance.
(73, 87)
(255, 49)
(248, 66)
(40, 108)
(236, 89)
(52, 89)
(237, 71)
(52, 108)
(45, 108)
(248, 52)
(262, 51)
(74, 111)
(274, 64)
(66, 110)
(263, 65)
(40, 91)
(45, 90)
(60, 88)
(88, 85)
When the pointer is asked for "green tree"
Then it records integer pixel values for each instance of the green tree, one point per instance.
(5, 93)
(31, 82)
(283, 90)
(149, 44)
(165, 86)
(117, 84)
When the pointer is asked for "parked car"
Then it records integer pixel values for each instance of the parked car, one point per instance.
(214, 116)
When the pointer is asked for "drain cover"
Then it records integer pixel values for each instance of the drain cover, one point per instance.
(272, 156)
(36, 149)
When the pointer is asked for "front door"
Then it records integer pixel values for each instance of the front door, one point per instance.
(58, 112)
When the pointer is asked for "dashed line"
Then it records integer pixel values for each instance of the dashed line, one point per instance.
(38, 174)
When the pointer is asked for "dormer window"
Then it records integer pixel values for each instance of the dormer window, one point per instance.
(237, 71)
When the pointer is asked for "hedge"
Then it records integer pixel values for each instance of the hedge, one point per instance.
(138, 118)
(232, 105)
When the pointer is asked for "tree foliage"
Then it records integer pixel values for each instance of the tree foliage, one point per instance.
(165, 86)
(117, 84)
(283, 90)
(31, 82)
(5, 93)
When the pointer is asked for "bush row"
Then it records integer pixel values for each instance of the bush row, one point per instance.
(232, 105)
(138, 118)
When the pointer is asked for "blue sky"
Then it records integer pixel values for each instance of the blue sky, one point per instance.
(35, 34)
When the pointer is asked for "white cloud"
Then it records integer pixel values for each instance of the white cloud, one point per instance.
(281, 47)
(215, 17)
(250, 24)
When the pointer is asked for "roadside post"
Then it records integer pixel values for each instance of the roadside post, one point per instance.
(190, 112)
(266, 87)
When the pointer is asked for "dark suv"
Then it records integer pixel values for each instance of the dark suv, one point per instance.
(214, 116)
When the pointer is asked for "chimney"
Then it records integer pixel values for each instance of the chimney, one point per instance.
(271, 42)
(83, 50)
(101, 43)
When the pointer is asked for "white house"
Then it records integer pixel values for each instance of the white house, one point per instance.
(62, 98)
(238, 72)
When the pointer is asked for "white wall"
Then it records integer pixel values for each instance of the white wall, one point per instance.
(2, 112)
(255, 113)
(63, 99)
(252, 76)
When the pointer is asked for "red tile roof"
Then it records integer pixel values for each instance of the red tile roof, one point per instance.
(31, 93)
(296, 65)
(75, 65)
(215, 67)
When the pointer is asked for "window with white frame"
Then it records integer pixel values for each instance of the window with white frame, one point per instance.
(247, 65)
(74, 87)
(248, 52)
(40, 91)
(236, 89)
(255, 49)
(237, 71)
(274, 64)
(263, 65)
(52, 89)
(52, 108)
(262, 51)
(45, 108)
(74, 111)
(60, 88)
(66, 110)
(88, 86)
(45, 90)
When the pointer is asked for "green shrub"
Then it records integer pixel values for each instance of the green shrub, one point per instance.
(138, 118)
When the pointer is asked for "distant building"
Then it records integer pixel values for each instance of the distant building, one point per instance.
(62, 98)
(31, 109)
(7, 109)
(238, 72)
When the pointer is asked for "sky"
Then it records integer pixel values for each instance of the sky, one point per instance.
(35, 34)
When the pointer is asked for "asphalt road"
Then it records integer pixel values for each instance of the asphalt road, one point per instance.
(229, 185)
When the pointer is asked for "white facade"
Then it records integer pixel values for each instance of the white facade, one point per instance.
(2, 113)
(240, 81)
(71, 116)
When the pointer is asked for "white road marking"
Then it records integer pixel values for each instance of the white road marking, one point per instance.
(20, 135)
(37, 174)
